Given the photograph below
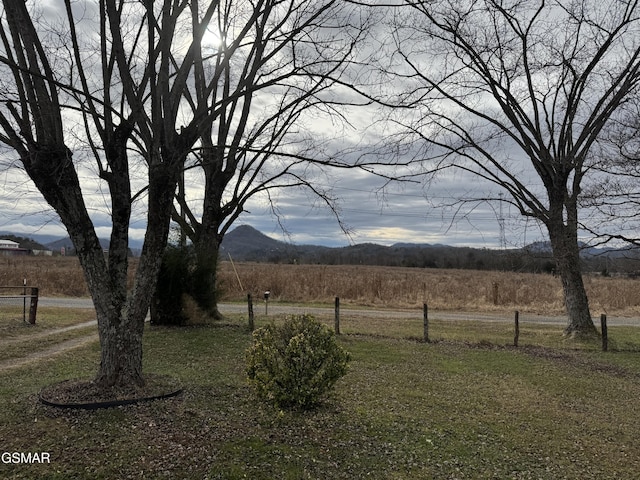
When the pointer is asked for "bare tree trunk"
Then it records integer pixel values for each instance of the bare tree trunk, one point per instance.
(32, 123)
(207, 249)
(205, 234)
(122, 326)
(121, 351)
(120, 330)
(207, 237)
(566, 252)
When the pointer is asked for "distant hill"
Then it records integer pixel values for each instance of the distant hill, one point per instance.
(246, 240)
(245, 243)
(48, 242)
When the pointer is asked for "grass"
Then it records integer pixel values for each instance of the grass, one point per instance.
(464, 409)
(25, 347)
(48, 318)
(18, 339)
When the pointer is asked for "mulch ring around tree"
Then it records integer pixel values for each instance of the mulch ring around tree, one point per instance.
(85, 395)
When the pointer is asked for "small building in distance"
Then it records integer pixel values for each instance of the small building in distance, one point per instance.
(9, 248)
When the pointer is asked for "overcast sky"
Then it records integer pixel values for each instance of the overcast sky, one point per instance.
(399, 212)
(404, 212)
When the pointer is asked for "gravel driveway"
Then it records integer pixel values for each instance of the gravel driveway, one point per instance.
(276, 309)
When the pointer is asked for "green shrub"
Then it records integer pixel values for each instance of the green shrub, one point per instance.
(295, 365)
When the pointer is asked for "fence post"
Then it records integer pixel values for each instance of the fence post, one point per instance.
(24, 301)
(605, 335)
(337, 316)
(495, 293)
(516, 335)
(33, 306)
(425, 322)
(250, 307)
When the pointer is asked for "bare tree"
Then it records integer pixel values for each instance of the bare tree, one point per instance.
(124, 99)
(270, 136)
(614, 195)
(517, 93)
(144, 95)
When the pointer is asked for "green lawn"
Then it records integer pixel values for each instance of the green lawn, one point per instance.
(48, 318)
(471, 408)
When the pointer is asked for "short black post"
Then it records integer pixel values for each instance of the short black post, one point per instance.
(605, 334)
(250, 306)
(516, 335)
(425, 322)
(337, 316)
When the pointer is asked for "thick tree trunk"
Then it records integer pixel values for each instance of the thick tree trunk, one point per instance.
(39, 140)
(122, 328)
(208, 238)
(566, 252)
(205, 234)
(120, 332)
(121, 351)
(207, 250)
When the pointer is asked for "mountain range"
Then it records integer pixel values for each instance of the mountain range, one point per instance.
(245, 243)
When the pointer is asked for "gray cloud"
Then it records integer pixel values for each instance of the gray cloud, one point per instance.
(374, 210)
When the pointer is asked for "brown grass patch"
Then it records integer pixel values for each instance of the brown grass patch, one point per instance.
(54, 276)
(441, 289)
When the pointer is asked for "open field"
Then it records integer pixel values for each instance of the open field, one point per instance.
(463, 290)
(445, 410)
(442, 289)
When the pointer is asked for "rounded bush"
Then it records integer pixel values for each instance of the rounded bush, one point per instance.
(296, 364)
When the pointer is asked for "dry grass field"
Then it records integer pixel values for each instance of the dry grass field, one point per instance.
(363, 285)
(54, 276)
(441, 289)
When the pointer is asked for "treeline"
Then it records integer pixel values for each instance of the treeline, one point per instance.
(441, 256)
(417, 257)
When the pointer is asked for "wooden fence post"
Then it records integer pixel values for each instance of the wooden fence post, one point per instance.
(605, 334)
(495, 293)
(33, 306)
(425, 322)
(337, 316)
(516, 335)
(24, 302)
(250, 307)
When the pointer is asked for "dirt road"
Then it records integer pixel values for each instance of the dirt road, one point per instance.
(279, 309)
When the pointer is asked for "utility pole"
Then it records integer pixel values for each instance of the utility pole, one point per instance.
(503, 238)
